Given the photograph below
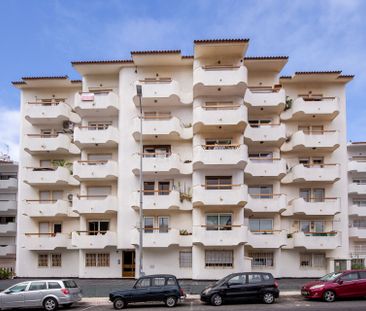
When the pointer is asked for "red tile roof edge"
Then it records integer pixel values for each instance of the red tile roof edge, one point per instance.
(207, 41)
(46, 78)
(264, 57)
(91, 62)
(156, 52)
(317, 72)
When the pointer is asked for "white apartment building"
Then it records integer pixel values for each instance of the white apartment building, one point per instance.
(243, 170)
(8, 212)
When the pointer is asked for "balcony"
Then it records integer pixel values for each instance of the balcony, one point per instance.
(46, 241)
(220, 195)
(220, 80)
(324, 109)
(264, 167)
(220, 156)
(236, 235)
(36, 144)
(265, 99)
(357, 189)
(95, 204)
(94, 104)
(314, 140)
(164, 128)
(89, 136)
(160, 239)
(9, 184)
(7, 251)
(266, 203)
(357, 165)
(8, 229)
(93, 240)
(266, 134)
(317, 241)
(42, 176)
(169, 164)
(327, 207)
(8, 206)
(95, 170)
(357, 210)
(267, 239)
(50, 113)
(357, 233)
(162, 92)
(232, 117)
(300, 173)
(160, 200)
(47, 208)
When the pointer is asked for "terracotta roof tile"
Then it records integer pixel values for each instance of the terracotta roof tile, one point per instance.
(18, 82)
(187, 56)
(76, 81)
(113, 61)
(157, 52)
(46, 78)
(244, 40)
(317, 72)
(264, 57)
(346, 76)
(285, 77)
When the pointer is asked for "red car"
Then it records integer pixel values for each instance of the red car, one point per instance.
(347, 284)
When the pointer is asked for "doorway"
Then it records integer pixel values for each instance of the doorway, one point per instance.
(340, 265)
(128, 264)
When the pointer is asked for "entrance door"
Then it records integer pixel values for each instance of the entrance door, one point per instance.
(128, 264)
(340, 265)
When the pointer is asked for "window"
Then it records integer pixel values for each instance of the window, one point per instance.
(163, 224)
(359, 202)
(218, 222)
(261, 225)
(218, 144)
(237, 280)
(362, 275)
(171, 281)
(261, 191)
(42, 260)
(216, 258)
(357, 263)
(37, 286)
(98, 193)
(47, 196)
(312, 260)
(141, 283)
(312, 194)
(149, 187)
(218, 182)
(260, 259)
(224, 105)
(99, 157)
(258, 123)
(18, 288)
(359, 181)
(254, 278)
(6, 220)
(99, 126)
(185, 259)
(158, 281)
(311, 129)
(98, 227)
(91, 260)
(312, 161)
(97, 260)
(57, 228)
(309, 226)
(154, 151)
(261, 157)
(55, 260)
(163, 187)
(70, 284)
(359, 223)
(103, 260)
(53, 285)
(353, 276)
(148, 224)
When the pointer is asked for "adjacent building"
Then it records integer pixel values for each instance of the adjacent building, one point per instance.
(243, 169)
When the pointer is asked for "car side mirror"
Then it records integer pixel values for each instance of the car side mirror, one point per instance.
(340, 282)
(7, 292)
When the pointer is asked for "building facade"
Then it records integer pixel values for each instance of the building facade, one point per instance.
(242, 169)
(8, 212)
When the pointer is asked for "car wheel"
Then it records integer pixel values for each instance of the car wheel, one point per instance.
(50, 304)
(171, 301)
(216, 300)
(119, 304)
(268, 298)
(329, 296)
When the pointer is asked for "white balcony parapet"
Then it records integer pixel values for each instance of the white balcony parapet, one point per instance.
(225, 156)
(274, 134)
(267, 239)
(94, 204)
(49, 176)
(320, 140)
(235, 236)
(89, 136)
(266, 98)
(7, 251)
(327, 207)
(46, 241)
(169, 164)
(155, 238)
(357, 232)
(220, 80)
(357, 210)
(47, 208)
(356, 189)
(262, 167)
(8, 206)
(313, 173)
(165, 128)
(357, 166)
(162, 92)
(316, 241)
(234, 116)
(51, 113)
(53, 143)
(325, 109)
(98, 240)
(158, 200)
(269, 203)
(95, 170)
(227, 195)
(9, 184)
(101, 103)
(8, 228)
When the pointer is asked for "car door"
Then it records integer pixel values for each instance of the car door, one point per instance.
(235, 287)
(347, 285)
(158, 290)
(362, 283)
(14, 296)
(141, 290)
(33, 296)
(253, 285)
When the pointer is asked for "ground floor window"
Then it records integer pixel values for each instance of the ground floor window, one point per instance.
(97, 260)
(56, 260)
(358, 263)
(262, 259)
(46, 260)
(219, 258)
(312, 260)
(185, 259)
(43, 260)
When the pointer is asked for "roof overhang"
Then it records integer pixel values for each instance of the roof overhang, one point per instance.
(103, 67)
(220, 47)
(160, 58)
(265, 63)
(46, 81)
(316, 76)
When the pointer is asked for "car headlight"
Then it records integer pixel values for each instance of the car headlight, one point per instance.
(317, 286)
(206, 291)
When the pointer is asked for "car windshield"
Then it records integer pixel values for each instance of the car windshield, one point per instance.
(330, 276)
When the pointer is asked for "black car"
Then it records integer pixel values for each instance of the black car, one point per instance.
(242, 286)
(159, 287)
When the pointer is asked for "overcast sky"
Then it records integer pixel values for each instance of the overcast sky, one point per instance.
(41, 37)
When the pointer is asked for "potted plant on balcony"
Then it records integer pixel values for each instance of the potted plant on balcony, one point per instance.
(184, 232)
(184, 194)
(288, 103)
(62, 163)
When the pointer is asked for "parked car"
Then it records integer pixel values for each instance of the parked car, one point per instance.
(242, 286)
(48, 294)
(159, 287)
(347, 284)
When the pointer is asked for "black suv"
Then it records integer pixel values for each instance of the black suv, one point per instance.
(241, 286)
(159, 287)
